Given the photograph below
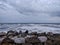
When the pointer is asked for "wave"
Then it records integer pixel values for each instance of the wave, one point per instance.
(31, 27)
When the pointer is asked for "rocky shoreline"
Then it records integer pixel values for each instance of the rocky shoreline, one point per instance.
(26, 38)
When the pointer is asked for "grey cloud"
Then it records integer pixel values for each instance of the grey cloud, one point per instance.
(30, 11)
(33, 6)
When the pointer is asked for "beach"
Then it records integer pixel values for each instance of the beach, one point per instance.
(26, 38)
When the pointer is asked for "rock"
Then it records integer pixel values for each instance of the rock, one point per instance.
(19, 40)
(32, 40)
(42, 38)
(1, 39)
(7, 41)
(2, 34)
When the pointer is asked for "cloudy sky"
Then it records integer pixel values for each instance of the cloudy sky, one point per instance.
(29, 11)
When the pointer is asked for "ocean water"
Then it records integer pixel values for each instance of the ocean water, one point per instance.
(39, 28)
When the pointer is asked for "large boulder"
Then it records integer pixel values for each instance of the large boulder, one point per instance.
(42, 38)
(7, 41)
(11, 32)
(19, 40)
(1, 39)
(32, 39)
(2, 34)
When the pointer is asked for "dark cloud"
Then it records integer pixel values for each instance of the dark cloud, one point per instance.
(55, 14)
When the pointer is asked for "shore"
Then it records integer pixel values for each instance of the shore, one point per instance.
(25, 38)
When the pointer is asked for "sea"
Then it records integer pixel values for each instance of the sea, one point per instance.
(31, 27)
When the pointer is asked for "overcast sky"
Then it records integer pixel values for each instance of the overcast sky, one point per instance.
(29, 11)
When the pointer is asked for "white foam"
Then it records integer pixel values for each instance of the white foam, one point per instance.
(32, 28)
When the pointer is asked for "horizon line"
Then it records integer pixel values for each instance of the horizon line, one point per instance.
(29, 23)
